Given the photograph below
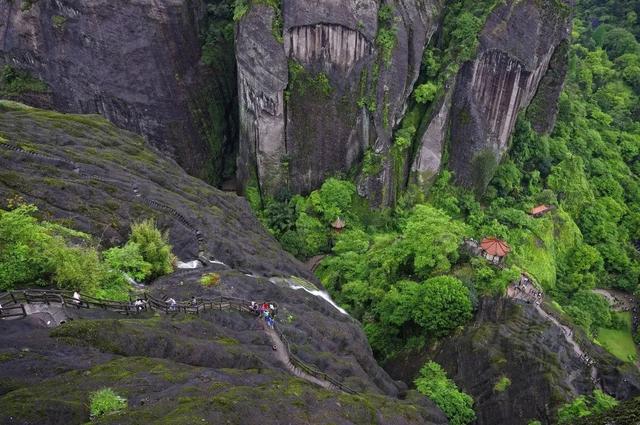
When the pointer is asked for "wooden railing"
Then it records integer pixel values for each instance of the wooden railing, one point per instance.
(297, 362)
(12, 306)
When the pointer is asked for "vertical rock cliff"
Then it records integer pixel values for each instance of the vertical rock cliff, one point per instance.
(262, 79)
(135, 62)
(344, 90)
(516, 47)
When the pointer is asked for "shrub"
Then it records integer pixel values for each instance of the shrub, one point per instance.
(240, 8)
(210, 280)
(433, 382)
(502, 384)
(154, 247)
(128, 259)
(105, 401)
(583, 406)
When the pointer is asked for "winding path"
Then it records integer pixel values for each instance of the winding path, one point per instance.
(13, 307)
(526, 293)
(282, 354)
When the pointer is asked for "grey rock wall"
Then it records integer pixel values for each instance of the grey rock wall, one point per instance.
(328, 126)
(516, 47)
(262, 79)
(136, 62)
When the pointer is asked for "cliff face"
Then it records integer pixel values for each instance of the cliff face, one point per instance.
(516, 47)
(134, 62)
(343, 92)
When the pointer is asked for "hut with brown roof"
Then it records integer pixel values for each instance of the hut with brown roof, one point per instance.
(494, 249)
(541, 210)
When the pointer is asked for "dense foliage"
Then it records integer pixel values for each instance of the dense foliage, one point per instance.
(37, 252)
(433, 382)
(14, 82)
(583, 406)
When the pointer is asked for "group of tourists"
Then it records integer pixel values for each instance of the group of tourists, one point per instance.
(265, 311)
(528, 291)
(587, 360)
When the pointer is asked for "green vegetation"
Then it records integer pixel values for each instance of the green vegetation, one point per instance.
(302, 82)
(240, 8)
(433, 382)
(59, 22)
(15, 82)
(583, 406)
(386, 37)
(214, 105)
(128, 259)
(210, 280)
(154, 247)
(36, 252)
(105, 401)
(619, 341)
(502, 384)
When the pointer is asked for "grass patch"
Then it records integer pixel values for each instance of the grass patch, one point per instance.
(210, 280)
(619, 342)
(106, 401)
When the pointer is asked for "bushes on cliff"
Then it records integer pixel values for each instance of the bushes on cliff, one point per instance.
(154, 247)
(128, 259)
(433, 382)
(37, 252)
(584, 406)
(104, 402)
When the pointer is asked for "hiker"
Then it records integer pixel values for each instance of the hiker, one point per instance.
(274, 348)
(139, 305)
(76, 299)
(172, 304)
(0, 309)
(194, 301)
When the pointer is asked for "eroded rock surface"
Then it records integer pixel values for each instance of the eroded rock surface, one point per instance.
(137, 63)
(516, 47)
(343, 94)
(512, 340)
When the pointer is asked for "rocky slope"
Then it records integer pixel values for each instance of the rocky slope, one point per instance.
(84, 172)
(514, 341)
(136, 63)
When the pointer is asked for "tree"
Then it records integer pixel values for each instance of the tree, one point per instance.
(443, 304)
(433, 382)
(425, 93)
(154, 247)
(576, 409)
(619, 41)
(432, 238)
